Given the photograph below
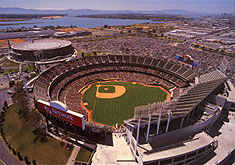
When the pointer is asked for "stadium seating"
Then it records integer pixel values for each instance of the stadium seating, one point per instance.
(62, 81)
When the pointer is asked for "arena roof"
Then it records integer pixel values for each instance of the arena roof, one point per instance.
(45, 44)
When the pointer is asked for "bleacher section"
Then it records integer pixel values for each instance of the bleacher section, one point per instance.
(194, 96)
(187, 102)
(214, 75)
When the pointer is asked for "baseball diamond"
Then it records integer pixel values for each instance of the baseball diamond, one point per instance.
(109, 91)
(112, 102)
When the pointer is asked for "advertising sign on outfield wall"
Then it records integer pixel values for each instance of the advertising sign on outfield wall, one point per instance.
(62, 114)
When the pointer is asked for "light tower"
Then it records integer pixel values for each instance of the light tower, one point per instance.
(38, 55)
(25, 86)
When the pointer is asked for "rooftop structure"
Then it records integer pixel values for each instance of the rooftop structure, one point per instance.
(45, 44)
(42, 50)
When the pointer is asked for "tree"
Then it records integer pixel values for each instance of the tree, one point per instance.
(4, 108)
(40, 134)
(26, 160)
(34, 162)
(19, 98)
(11, 83)
(82, 54)
(5, 104)
(19, 156)
(9, 146)
(34, 118)
(14, 151)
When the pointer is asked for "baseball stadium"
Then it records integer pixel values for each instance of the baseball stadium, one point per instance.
(148, 99)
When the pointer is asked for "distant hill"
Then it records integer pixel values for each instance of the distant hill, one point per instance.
(16, 10)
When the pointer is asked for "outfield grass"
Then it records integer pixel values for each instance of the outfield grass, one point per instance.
(115, 110)
(19, 134)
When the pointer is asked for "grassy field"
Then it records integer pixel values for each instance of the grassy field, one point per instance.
(83, 155)
(114, 110)
(19, 135)
(10, 64)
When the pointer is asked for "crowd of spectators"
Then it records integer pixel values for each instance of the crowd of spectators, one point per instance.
(143, 46)
(77, 74)
(62, 82)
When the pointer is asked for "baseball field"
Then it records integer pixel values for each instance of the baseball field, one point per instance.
(112, 102)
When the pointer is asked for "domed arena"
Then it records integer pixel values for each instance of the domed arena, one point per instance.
(42, 50)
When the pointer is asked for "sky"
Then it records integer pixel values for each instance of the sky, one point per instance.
(205, 6)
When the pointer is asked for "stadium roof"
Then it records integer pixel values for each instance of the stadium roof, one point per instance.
(45, 44)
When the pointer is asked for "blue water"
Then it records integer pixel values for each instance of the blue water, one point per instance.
(77, 21)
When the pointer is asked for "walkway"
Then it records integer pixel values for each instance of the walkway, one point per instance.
(119, 153)
(73, 156)
(226, 142)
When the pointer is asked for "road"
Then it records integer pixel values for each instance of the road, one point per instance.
(4, 96)
(4, 86)
(5, 156)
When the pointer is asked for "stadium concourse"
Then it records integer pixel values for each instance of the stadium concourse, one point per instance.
(169, 132)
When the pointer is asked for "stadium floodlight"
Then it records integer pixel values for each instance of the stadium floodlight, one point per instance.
(37, 54)
(149, 124)
(168, 120)
(137, 138)
(159, 121)
(25, 86)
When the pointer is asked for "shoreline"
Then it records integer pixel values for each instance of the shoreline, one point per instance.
(14, 19)
(7, 24)
(52, 17)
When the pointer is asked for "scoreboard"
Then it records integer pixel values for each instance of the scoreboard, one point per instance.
(187, 61)
(56, 109)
